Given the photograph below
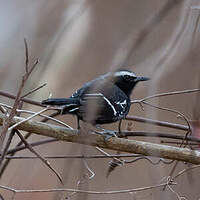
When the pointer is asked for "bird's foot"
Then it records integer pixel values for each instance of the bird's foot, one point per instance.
(106, 133)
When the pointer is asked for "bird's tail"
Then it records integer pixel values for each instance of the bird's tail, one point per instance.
(69, 105)
(59, 101)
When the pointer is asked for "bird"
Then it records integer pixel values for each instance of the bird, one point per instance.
(103, 100)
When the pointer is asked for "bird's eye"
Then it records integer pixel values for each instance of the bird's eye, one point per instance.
(126, 77)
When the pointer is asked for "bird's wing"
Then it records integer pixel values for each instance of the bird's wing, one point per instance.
(105, 105)
(84, 89)
(95, 107)
(90, 87)
(92, 100)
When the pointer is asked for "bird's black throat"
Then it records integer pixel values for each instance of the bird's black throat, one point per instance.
(126, 87)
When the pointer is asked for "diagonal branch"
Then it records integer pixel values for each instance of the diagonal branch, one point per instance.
(157, 122)
(26, 100)
(38, 155)
(166, 94)
(7, 120)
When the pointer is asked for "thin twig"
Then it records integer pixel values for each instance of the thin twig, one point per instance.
(176, 193)
(184, 171)
(3, 110)
(33, 144)
(138, 157)
(85, 191)
(38, 155)
(157, 122)
(89, 169)
(39, 114)
(26, 100)
(8, 142)
(178, 143)
(172, 111)
(158, 134)
(27, 119)
(26, 55)
(33, 67)
(186, 135)
(20, 145)
(166, 94)
(7, 145)
(149, 160)
(46, 118)
(76, 156)
(17, 100)
(34, 90)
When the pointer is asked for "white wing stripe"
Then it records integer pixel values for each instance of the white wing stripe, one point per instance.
(115, 112)
(109, 103)
(95, 94)
(72, 104)
(122, 104)
(73, 109)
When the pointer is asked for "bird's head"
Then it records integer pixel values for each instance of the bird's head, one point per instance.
(126, 80)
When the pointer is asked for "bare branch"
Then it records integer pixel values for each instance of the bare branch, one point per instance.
(19, 111)
(159, 134)
(38, 155)
(17, 99)
(136, 158)
(119, 144)
(75, 156)
(166, 94)
(149, 160)
(11, 96)
(33, 67)
(26, 55)
(88, 192)
(34, 90)
(185, 170)
(157, 122)
(172, 111)
(26, 119)
(20, 145)
(7, 145)
(5, 150)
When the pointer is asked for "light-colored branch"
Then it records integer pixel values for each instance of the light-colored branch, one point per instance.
(26, 100)
(31, 149)
(119, 144)
(157, 122)
(166, 94)
(87, 191)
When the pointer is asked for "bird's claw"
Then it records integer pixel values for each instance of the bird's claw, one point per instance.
(107, 134)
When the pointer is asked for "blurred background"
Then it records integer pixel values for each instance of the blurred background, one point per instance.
(78, 40)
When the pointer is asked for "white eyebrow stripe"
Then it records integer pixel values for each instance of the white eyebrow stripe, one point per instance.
(101, 95)
(122, 73)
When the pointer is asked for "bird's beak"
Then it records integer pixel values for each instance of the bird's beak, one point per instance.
(142, 78)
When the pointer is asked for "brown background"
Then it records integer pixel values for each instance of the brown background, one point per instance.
(79, 40)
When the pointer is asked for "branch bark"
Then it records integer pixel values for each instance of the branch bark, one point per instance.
(119, 144)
